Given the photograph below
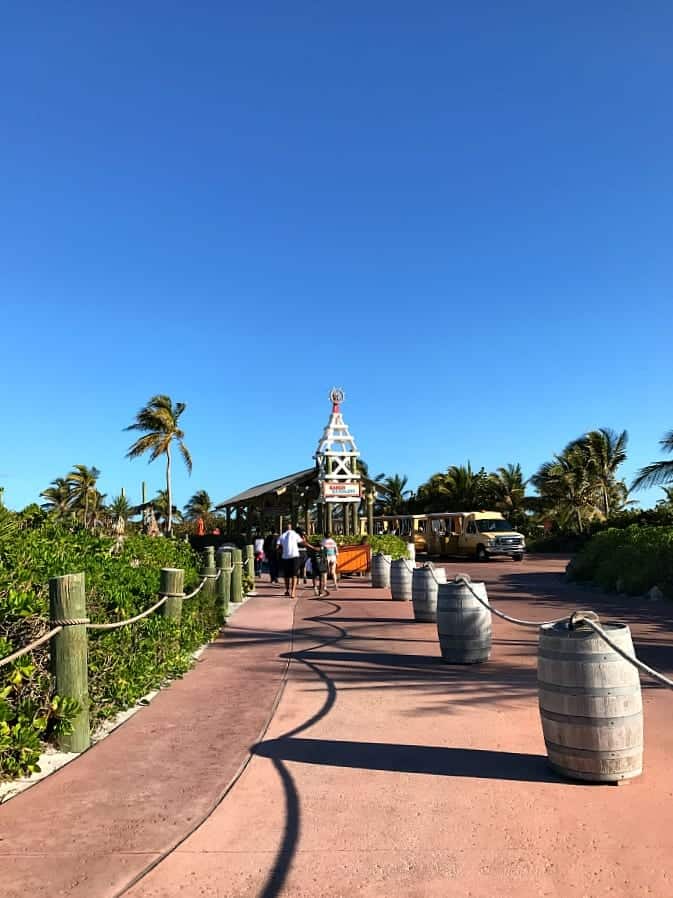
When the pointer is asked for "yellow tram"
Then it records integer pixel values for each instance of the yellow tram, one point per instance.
(479, 534)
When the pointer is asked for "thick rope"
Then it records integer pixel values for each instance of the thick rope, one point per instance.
(630, 658)
(131, 620)
(197, 590)
(576, 617)
(430, 567)
(30, 646)
(467, 581)
(69, 621)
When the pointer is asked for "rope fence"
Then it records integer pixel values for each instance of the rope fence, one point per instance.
(575, 619)
(68, 617)
(116, 625)
(33, 645)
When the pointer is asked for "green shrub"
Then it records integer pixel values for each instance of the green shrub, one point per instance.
(386, 543)
(636, 557)
(124, 664)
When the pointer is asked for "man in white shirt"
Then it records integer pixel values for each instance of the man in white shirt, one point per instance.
(289, 544)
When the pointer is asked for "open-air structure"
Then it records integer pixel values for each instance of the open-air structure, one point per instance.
(331, 495)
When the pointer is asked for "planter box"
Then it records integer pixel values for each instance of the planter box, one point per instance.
(354, 559)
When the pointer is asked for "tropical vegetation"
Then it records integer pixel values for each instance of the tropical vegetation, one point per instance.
(124, 664)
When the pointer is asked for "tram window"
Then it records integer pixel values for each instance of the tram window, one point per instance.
(437, 525)
(471, 528)
(420, 526)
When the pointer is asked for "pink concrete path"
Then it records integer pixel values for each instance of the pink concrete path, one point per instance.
(382, 773)
(94, 825)
(387, 773)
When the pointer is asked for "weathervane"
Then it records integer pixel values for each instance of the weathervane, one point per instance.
(337, 396)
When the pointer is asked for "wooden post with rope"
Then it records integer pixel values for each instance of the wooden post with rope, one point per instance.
(237, 577)
(209, 571)
(224, 583)
(250, 567)
(67, 608)
(172, 585)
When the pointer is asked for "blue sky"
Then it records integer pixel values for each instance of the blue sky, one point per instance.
(459, 212)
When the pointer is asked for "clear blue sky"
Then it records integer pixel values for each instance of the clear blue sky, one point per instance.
(460, 212)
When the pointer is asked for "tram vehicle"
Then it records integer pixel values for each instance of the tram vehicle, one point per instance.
(479, 534)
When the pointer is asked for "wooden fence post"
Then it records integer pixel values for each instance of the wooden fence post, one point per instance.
(172, 585)
(209, 571)
(250, 567)
(67, 608)
(224, 583)
(237, 577)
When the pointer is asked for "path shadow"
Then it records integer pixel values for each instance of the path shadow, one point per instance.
(422, 759)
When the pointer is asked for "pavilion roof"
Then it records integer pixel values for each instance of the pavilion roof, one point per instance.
(271, 487)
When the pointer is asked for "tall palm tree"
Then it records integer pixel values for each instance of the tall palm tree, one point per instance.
(199, 506)
(606, 451)
(82, 481)
(659, 472)
(397, 494)
(58, 497)
(158, 420)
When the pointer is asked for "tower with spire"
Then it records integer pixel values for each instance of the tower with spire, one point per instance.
(338, 475)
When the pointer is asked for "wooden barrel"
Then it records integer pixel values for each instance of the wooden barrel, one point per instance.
(381, 571)
(590, 703)
(424, 592)
(463, 624)
(400, 579)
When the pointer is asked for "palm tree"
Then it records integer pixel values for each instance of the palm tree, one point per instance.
(667, 501)
(199, 506)
(120, 511)
(605, 451)
(465, 489)
(659, 472)
(158, 420)
(82, 482)
(58, 497)
(160, 505)
(567, 489)
(397, 495)
(509, 492)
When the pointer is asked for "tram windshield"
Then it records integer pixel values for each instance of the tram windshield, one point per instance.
(493, 525)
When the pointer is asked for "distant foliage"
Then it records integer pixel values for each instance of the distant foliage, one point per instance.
(631, 560)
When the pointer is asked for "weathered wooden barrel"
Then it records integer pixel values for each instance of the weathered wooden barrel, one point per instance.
(590, 703)
(463, 624)
(401, 571)
(381, 571)
(424, 591)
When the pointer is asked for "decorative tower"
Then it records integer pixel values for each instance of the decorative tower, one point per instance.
(338, 475)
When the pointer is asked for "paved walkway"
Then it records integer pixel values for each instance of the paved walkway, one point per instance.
(383, 772)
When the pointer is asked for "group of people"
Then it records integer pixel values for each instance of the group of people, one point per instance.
(293, 554)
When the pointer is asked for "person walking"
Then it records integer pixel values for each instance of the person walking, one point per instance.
(271, 553)
(331, 551)
(259, 554)
(289, 544)
(316, 568)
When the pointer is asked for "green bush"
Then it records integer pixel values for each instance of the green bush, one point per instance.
(124, 664)
(386, 543)
(632, 559)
